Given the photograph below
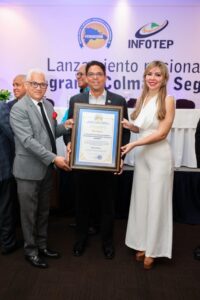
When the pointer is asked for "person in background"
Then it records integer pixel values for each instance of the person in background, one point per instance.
(196, 252)
(7, 231)
(19, 92)
(96, 186)
(197, 144)
(19, 89)
(35, 129)
(82, 79)
(149, 229)
(82, 84)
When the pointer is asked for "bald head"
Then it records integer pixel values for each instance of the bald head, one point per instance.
(19, 89)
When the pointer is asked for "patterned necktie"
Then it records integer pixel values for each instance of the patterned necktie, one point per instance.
(52, 140)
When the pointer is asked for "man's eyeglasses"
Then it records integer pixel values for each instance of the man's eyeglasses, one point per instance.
(79, 74)
(92, 75)
(35, 84)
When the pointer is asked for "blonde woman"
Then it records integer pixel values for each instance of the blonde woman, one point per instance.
(149, 229)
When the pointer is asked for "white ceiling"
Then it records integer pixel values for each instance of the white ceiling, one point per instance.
(99, 2)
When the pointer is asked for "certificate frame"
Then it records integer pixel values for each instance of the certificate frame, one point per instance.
(96, 137)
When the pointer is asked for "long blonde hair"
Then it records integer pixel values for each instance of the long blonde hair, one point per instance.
(161, 94)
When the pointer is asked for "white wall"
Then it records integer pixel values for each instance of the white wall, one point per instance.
(35, 33)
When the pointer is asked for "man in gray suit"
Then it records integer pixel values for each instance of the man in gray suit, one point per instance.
(34, 125)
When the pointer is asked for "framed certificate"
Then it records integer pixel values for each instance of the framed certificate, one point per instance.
(96, 137)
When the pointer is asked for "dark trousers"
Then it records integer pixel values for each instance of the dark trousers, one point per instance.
(7, 224)
(34, 196)
(96, 194)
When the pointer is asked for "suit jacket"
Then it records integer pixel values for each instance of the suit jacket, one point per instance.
(11, 103)
(32, 143)
(111, 99)
(6, 143)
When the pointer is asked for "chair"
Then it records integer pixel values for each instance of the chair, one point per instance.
(131, 102)
(184, 103)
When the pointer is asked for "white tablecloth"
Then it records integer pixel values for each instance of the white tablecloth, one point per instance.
(181, 137)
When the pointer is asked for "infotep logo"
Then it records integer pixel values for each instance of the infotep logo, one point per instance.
(148, 30)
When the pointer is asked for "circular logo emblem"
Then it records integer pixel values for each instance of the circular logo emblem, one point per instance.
(95, 33)
(150, 29)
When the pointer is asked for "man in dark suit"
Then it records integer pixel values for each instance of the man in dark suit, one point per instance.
(35, 128)
(103, 183)
(7, 231)
(197, 151)
(19, 89)
(197, 144)
(19, 92)
(94, 214)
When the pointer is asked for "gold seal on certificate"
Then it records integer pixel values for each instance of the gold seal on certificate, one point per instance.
(96, 137)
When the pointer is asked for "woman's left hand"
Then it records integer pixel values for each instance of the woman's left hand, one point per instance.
(127, 148)
(121, 168)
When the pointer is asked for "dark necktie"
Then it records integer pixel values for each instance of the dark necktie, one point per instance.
(52, 140)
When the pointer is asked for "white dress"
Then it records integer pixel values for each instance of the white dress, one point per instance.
(149, 225)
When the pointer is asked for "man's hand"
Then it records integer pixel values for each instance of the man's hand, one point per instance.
(61, 163)
(68, 152)
(69, 123)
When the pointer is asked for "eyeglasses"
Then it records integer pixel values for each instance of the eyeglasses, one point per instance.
(92, 75)
(79, 74)
(35, 84)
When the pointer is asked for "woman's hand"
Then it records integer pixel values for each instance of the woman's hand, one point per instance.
(121, 168)
(126, 124)
(127, 148)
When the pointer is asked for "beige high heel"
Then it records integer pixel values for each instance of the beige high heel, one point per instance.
(140, 255)
(148, 263)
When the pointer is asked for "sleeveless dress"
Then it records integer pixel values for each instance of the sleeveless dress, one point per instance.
(149, 225)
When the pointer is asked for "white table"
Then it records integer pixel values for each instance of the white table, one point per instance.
(181, 137)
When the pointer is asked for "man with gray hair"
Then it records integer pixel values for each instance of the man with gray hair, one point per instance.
(33, 121)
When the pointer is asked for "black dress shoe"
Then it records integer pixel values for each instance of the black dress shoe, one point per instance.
(197, 253)
(36, 261)
(73, 225)
(49, 253)
(92, 230)
(9, 250)
(79, 248)
(109, 252)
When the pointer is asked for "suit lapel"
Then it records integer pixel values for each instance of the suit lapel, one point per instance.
(35, 111)
(108, 98)
(49, 115)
